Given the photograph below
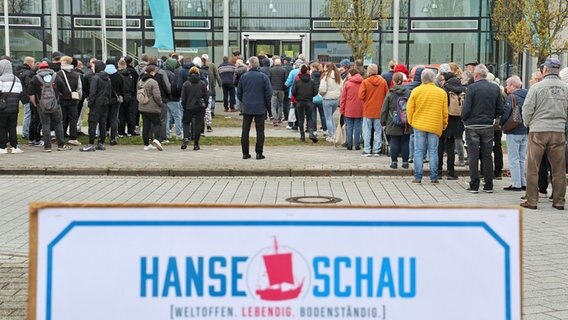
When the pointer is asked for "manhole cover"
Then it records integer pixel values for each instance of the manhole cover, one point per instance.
(314, 200)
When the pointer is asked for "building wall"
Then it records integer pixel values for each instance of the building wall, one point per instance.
(431, 31)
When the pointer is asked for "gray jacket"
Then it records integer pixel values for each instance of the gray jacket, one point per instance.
(155, 104)
(546, 105)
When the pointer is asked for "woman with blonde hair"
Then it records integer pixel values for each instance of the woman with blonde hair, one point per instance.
(330, 90)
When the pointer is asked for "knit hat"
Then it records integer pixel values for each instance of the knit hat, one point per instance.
(444, 68)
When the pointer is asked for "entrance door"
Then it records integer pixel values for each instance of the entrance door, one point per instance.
(289, 48)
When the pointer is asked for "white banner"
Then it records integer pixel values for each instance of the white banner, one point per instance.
(277, 262)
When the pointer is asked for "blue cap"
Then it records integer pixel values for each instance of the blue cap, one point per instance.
(345, 62)
(552, 63)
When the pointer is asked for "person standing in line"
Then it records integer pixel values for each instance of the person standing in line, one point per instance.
(255, 93)
(427, 112)
(68, 82)
(330, 90)
(482, 106)
(351, 108)
(389, 74)
(11, 89)
(116, 99)
(215, 80)
(240, 69)
(129, 94)
(152, 109)
(227, 74)
(277, 76)
(99, 99)
(304, 90)
(173, 104)
(51, 120)
(399, 134)
(194, 99)
(373, 91)
(545, 114)
(25, 73)
(516, 136)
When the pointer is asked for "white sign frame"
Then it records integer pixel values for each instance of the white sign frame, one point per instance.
(485, 219)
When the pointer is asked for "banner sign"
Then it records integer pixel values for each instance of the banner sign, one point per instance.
(216, 262)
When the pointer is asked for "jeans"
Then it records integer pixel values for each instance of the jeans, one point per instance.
(353, 131)
(51, 121)
(368, 126)
(213, 95)
(174, 111)
(318, 107)
(423, 140)
(8, 123)
(277, 104)
(229, 96)
(517, 147)
(259, 124)
(69, 118)
(399, 144)
(27, 121)
(554, 145)
(476, 139)
(329, 107)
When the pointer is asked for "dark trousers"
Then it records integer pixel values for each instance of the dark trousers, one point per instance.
(97, 117)
(543, 174)
(286, 105)
(449, 145)
(399, 144)
(498, 153)
(152, 124)
(195, 118)
(305, 110)
(126, 118)
(69, 115)
(8, 123)
(35, 125)
(229, 96)
(51, 121)
(113, 119)
(318, 108)
(480, 139)
(259, 124)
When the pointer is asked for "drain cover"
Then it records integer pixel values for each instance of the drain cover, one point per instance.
(314, 200)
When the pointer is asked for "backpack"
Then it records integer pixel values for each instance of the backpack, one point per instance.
(399, 117)
(142, 94)
(456, 103)
(49, 99)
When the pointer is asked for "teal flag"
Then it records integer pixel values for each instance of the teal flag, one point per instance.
(162, 20)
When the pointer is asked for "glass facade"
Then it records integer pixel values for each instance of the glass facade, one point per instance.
(431, 31)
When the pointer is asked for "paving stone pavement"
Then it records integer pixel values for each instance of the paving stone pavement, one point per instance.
(545, 231)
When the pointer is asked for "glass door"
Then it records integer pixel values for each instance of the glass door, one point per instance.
(291, 48)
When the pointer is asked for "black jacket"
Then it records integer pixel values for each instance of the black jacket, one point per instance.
(483, 104)
(129, 89)
(73, 77)
(304, 89)
(25, 73)
(278, 76)
(194, 93)
(100, 88)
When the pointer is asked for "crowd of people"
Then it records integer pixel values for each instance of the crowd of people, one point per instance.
(418, 117)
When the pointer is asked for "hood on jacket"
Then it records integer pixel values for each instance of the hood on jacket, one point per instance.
(67, 67)
(418, 75)
(305, 77)
(194, 77)
(99, 66)
(171, 64)
(399, 90)
(374, 80)
(449, 75)
(110, 69)
(5, 67)
(46, 74)
(356, 78)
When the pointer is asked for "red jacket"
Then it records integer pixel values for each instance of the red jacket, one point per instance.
(351, 105)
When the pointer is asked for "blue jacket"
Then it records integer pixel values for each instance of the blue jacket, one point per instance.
(520, 96)
(290, 81)
(255, 92)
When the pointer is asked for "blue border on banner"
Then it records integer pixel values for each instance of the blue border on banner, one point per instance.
(398, 224)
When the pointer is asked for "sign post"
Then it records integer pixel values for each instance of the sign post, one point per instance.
(257, 262)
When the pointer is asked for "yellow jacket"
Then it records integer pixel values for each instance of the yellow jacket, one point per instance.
(427, 109)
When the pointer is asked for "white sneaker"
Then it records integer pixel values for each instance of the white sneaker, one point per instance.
(149, 148)
(3, 151)
(329, 139)
(157, 144)
(17, 150)
(74, 142)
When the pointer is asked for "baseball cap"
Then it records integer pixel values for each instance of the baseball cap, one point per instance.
(472, 63)
(552, 63)
(43, 65)
(345, 62)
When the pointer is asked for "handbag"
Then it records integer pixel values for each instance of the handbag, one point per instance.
(3, 95)
(317, 99)
(515, 118)
(292, 114)
(340, 135)
(74, 94)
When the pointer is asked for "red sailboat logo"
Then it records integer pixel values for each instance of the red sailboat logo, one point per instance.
(279, 269)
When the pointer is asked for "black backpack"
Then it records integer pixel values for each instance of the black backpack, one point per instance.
(49, 97)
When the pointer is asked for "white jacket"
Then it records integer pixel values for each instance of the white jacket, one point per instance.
(329, 89)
